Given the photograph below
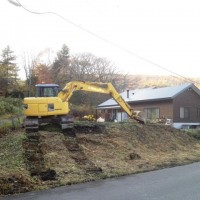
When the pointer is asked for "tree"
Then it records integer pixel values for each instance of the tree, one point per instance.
(9, 70)
(43, 74)
(3, 81)
(61, 65)
(29, 63)
(46, 57)
(88, 67)
(83, 67)
(37, 69)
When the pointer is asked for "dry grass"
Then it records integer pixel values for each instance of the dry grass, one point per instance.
(11, 154)
(122, 148)
(157, 147)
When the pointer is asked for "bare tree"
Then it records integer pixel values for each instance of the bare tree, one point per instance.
(83, 67)
(29, 63)
(46, 57)
(87, 67)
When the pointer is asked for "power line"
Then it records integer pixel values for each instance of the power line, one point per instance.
(101, 38)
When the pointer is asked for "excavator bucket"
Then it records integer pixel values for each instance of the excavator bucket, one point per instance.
(139, 117)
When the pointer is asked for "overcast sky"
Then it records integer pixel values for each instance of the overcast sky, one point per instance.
(164, 32)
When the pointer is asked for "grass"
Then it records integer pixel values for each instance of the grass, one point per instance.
(9, 125)
(11, 156)
(194, 132)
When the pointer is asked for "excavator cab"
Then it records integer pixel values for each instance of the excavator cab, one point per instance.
(47, 90)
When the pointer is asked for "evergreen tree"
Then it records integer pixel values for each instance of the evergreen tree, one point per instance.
(9, 70)
(61, 66)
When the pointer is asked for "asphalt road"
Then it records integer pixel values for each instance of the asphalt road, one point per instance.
(178, 183)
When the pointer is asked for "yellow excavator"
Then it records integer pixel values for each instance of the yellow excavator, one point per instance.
(52, 106)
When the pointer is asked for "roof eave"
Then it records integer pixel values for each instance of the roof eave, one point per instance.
(150, 100)
(139, 101)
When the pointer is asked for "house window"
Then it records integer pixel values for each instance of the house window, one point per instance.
(184, 112)
(152, 113)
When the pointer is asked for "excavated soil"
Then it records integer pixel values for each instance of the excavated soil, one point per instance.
(90, 151)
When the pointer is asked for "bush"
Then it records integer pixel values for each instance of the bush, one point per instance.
(82, 110)
(10, 106)
(194, 132)
(89, 118)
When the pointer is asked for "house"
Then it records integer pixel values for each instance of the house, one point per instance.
(180, 104)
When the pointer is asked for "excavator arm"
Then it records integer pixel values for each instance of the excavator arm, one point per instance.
(105, 88)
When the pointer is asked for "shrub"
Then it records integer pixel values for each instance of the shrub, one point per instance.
(194, 132)
(10, 106)
(89, 118)
(82, 110)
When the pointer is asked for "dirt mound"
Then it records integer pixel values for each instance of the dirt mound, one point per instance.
(16, 183)
(131, 149)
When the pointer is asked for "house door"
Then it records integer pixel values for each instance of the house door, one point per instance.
(121, 116)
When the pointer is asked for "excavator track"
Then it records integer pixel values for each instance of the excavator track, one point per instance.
(31, 124)
(66, 122)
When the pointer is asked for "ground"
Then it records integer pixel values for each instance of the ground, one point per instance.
(91, 151)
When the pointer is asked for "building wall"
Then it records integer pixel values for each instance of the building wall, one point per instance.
(191, 100)
(165, 107)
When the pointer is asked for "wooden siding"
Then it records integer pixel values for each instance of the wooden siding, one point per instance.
(165, 107)
(190, 99)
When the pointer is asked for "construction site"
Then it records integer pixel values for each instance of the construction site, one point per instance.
(49, 148)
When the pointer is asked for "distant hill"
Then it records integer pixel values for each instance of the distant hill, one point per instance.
(125, 82)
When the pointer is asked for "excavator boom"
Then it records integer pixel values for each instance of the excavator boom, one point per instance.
(105, 88)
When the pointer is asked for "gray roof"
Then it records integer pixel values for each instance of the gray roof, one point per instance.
(150, 94)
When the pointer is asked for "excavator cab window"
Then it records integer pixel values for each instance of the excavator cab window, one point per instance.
(47, 90)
